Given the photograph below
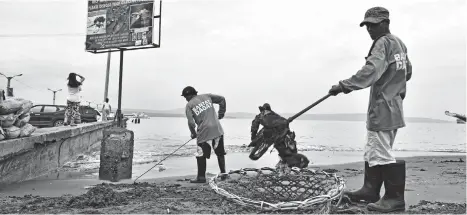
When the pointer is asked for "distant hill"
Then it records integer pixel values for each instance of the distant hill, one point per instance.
(180, 112)
(359, 117)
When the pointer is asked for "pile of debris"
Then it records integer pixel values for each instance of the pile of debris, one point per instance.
(14, 118)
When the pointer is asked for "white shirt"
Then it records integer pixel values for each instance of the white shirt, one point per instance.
(73, 94)
(106, 106)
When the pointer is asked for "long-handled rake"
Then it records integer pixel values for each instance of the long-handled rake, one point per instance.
(163, 159)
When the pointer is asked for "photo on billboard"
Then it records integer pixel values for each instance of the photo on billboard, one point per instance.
(119, 24)
(96, 22)
(141, 16)
(141, 23)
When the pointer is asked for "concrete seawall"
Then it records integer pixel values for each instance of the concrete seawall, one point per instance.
(46, 150)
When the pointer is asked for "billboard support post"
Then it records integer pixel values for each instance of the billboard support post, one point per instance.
(119, 110)
(107, 72)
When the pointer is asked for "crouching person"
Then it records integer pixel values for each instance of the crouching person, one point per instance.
(204, 125)
(276, 131)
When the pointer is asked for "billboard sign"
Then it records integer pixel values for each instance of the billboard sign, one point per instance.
(118, 24)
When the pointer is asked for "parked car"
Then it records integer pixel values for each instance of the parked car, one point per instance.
(54, 115)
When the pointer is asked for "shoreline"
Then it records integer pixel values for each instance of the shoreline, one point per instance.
(342, 117)
(178, 168)
(91, 161)
(429, 178)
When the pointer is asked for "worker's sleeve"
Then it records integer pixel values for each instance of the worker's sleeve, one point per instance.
(220, 100)
(376, 65)
(255, 124)
(409, 70)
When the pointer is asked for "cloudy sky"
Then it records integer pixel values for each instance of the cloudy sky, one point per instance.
(288, 53)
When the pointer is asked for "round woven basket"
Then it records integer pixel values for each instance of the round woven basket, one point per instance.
(269, 190)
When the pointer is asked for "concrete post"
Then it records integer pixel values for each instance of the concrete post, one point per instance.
(116, 158)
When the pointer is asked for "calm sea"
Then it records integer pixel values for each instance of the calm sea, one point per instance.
(157, 137)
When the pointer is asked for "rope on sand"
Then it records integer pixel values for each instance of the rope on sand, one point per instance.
(270, 190)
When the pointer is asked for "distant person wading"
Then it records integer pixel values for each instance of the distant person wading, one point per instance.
(72, 115)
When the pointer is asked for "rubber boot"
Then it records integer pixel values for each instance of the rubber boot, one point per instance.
(394, 184)
(372, 183)
(221, 161)
(201, 178)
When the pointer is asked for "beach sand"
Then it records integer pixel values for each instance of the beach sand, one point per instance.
(434, 184)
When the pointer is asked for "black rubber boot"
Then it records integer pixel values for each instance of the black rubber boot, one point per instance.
(201, 178)
(221, 161)
(394, 184)
(371, 186)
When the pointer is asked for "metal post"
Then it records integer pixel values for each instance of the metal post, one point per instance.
(107, 77)
(9, 79)
(9, 92)
(54, 96)
(8, 88)
(119, 110)
(54, 91)
(160, 22)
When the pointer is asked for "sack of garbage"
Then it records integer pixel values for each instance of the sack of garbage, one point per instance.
(27, 130)
(2, 134)
(11, 106)
(12, 132)
(2, 96)
(7, 120)
(22, 120)
(25, 107)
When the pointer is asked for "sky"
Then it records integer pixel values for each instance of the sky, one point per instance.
(287, 53)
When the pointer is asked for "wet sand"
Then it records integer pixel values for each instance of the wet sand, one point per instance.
(74, 180)
(434, 184)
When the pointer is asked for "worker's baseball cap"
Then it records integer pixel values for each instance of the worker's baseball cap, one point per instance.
(188, 91)
(375, 15)
(265, 106)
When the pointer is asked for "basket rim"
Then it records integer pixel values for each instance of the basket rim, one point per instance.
(289, 205)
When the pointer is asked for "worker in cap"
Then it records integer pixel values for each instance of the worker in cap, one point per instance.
(386, 71)
(204, 125)
(375, 15)
(264, 107)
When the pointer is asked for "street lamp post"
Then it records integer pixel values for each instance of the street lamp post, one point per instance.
(54, 91)
(9, 90)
